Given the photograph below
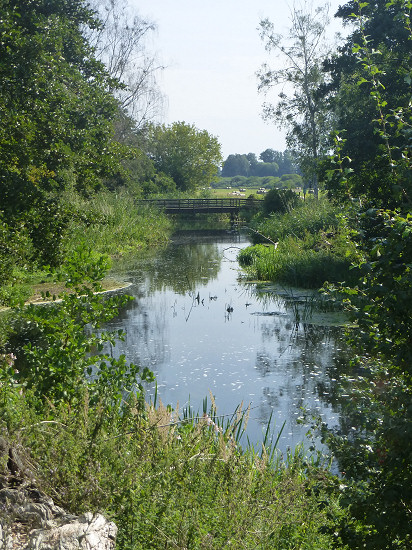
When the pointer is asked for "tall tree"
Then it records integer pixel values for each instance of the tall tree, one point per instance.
(120, 42)
(236, 165)
(191, 157)
(56, 111)
(300, 107)
(55, 104)
(268, 155)
(371, 82)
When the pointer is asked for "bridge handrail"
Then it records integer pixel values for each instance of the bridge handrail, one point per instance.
(197, 203)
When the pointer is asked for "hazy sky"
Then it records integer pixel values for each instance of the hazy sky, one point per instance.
(212, 50)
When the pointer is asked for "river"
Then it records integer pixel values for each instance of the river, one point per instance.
(200, 329)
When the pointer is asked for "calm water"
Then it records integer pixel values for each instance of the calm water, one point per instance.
(201, 330)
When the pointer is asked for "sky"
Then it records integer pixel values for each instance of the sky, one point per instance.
(211, 51)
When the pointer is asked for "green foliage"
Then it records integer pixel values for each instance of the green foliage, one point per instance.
(46, 223)
(59, 346)
(279, 201)
(189, 156)
(384, 296)
(57, 115)
(373, 448)
(165, 479)
(16, 250)
(291, 181)
(372, 76)
(303, 262)
(236, 165)
(373, 442)
(17, 256)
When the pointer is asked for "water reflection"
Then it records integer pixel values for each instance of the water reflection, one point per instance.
(199, 328)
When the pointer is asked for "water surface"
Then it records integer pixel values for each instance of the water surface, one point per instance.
(200, 330)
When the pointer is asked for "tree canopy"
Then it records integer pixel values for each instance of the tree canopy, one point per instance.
(370, 85)
(189, 156)
(55, 103)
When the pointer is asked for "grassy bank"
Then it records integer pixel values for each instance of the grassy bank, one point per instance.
(92, 443)
(108, 223)
(112, 224)
(305, 247)
(173, 484)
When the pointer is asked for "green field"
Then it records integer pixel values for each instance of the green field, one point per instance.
(226, 193)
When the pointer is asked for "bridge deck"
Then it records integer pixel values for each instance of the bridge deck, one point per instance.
(198, 206)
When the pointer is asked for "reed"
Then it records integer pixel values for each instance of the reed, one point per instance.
(112, 224)
(176, 484)
(309, 217)
(305, 247)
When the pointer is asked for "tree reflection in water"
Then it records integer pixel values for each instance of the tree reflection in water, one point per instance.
(179, 326)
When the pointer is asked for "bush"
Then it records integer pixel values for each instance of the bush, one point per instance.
(57, 357)
(279, 200)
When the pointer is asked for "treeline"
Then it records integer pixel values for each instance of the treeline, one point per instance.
(287, 181)
(271, 163)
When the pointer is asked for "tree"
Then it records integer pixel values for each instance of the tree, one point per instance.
(56, 110)
(285, 160)
(55, 106)
(191, 157)
(263, 169)
(371, 82)
(120, 43)
(253, 161)
(302, 110)
(236, 165)
(268, 155)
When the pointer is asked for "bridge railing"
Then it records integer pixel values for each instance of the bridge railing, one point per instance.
(200, 204)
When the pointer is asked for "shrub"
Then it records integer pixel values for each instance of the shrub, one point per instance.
(279, 200)
(59, 347)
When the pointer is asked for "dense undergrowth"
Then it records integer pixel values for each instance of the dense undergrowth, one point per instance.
(79, 420)
(109, 222)
(171, 485)
(305, 245)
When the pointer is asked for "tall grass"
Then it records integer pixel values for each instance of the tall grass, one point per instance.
(310, 217)
(308, 246)
(111, 223)
(171, 482)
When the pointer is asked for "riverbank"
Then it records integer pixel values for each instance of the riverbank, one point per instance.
(305, 246)
(165, 479)
(108, 223)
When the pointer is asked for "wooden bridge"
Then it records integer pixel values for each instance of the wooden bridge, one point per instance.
(202, 206)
